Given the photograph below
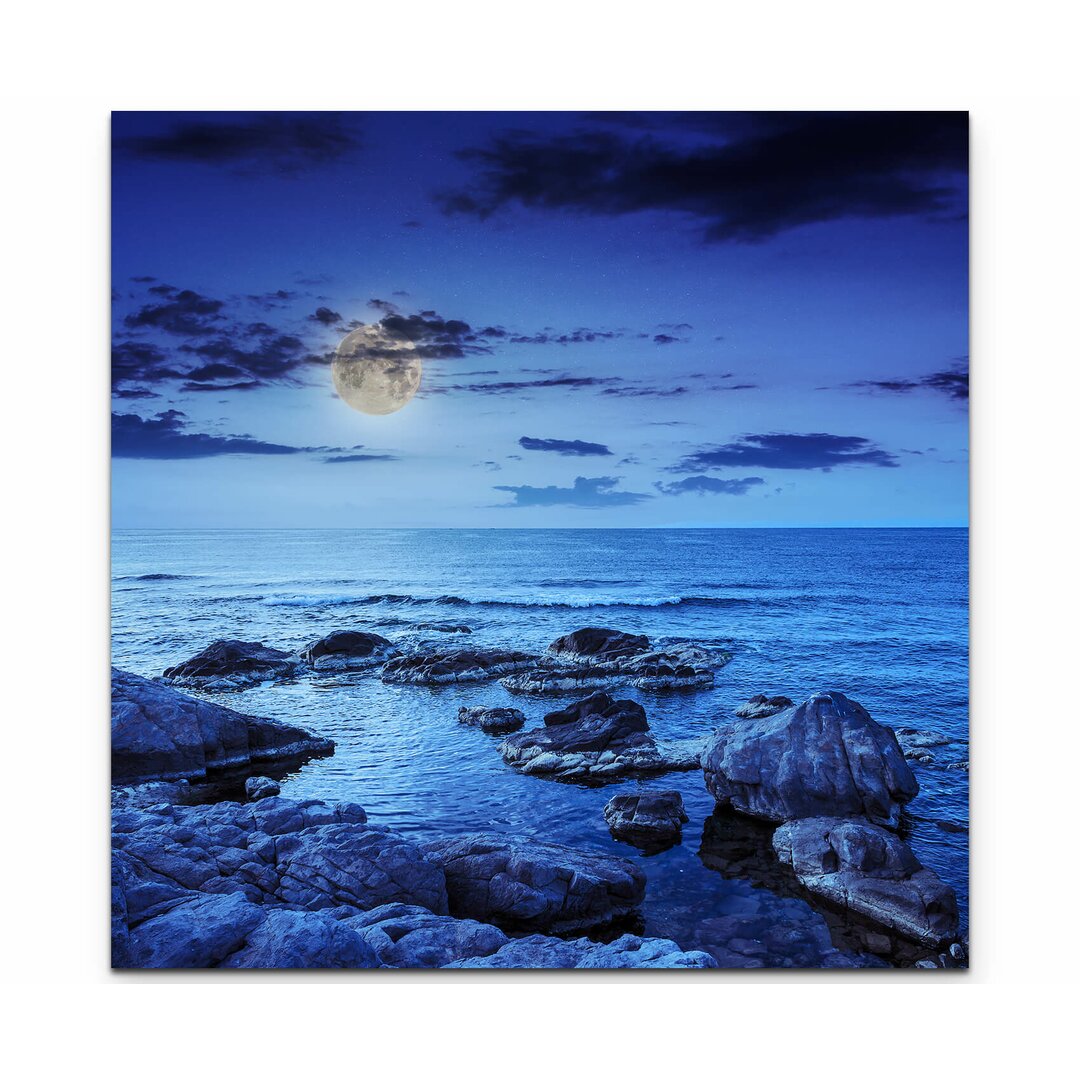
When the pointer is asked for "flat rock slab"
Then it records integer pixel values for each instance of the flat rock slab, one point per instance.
(825, 757)
(527, 884)
(232, 665)
(347, 650)
(438, 666)
(160, 734)
(497, 721)
(868, 871)
(627, 951)
(651, 820)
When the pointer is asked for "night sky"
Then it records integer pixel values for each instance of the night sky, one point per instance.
(625, 320)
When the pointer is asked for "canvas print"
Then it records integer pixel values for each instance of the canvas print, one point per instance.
(539, 540)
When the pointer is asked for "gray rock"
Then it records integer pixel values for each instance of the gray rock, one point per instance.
(597, 738)
(562, 680)
(261, 787)
(347, 650)
(525, 884)
(433, 667)
(594, 644)
(926, 964)
(760, 706)
(161, 734)
(866, 870)
(304, 854)
(302, 939)
(497, 721)
(825, 757)
(232, 665)
(627, 951)
(403, 936)
(650, 820)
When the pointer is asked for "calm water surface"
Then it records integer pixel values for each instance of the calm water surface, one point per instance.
(880, 614)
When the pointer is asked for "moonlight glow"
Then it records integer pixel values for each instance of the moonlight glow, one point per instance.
(376, 374)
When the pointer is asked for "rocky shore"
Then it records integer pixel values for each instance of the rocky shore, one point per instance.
(205, 881)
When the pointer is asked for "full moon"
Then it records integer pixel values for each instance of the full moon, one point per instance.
(374, 373)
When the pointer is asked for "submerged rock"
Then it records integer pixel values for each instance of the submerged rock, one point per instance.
(869, 871)
(652, 820)
(627, 951)
(521, 883)
(560, 680)
(261, 787)
(232, 665)
(826, 757)
(760, 706)
(445, 628)
(347, 650)
(435, 666)
(594, 644)
(161, 734)
(497, 721)
(594, 739)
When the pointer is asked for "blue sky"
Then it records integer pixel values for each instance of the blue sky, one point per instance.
(625, 320)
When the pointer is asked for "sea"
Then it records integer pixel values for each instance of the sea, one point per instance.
(879, 614)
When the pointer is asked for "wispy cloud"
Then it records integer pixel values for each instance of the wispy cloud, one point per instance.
(567, 447)
(588, 493)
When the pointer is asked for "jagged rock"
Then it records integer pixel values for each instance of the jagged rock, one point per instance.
(302, 939)
(651, 820)
(594, 739)
(436, 666)
(826, 757)
(593, 644)
(347, 650)
(959, 766)
(305, 854)
(232, 665)
(150, 794)
(627, 951)
(561, 680)
(670, 669)
(527, 884)
(161, 734)
(498, 721)
(261, 787)
(760, 706)
(411, 937)
(869, 871)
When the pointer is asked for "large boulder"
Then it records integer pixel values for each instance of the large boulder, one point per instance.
(495, 721)
(260, 787)
(596, 738)
(826, 757)
(347, 650)
(232, 665)
(870, 872)
(303, 854)
(525, 884)
(433, 667)
(651, 820)
(161, 734)
(627, 951)
(593, 644)
(760, 706)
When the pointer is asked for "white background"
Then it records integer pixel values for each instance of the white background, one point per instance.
(67, 65)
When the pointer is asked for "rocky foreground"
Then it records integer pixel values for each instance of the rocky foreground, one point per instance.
(273, 882)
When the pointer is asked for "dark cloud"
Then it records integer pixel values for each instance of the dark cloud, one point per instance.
(581, 336)
(952, 383)
(325, 316)
(342, 459)
(587, 493)
(570, 382)
(164, 438)
(184, 313)
(746, 178)
(569, 447)
(284, 143)
(816, 450)
(665, 339)
(710, 485)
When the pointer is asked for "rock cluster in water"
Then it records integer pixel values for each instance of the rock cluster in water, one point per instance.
(347, 650)
(434, 667)
(597, 738)
(760, 706)
(495, 721)
(652, 820)
(232, 665)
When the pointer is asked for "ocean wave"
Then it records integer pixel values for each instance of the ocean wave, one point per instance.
(154, 577)
(407, 600)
